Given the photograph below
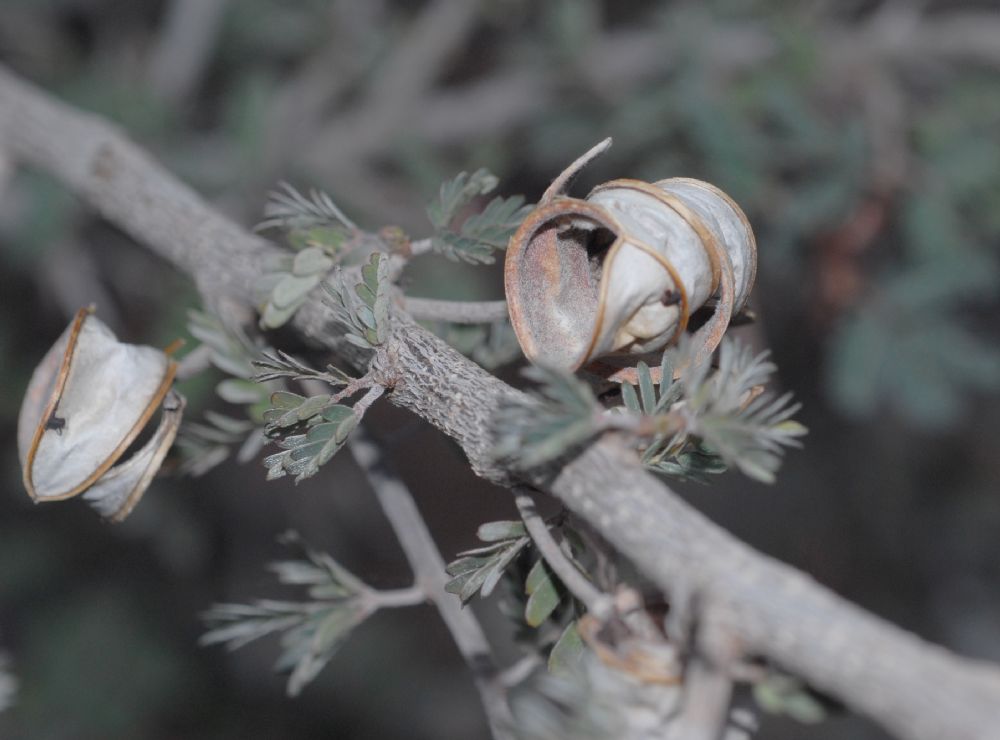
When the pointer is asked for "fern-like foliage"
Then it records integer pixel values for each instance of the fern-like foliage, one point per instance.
(318, 232)
(732, 416)
(323, 427)
(311, 629)
(475, 239)
(536, 600)
(479, 570)
(231, 350)
(289, 209)
(693, 427)
(562, 414)
(205, 445)
(278, 364)
(363, 309)
(308, 430)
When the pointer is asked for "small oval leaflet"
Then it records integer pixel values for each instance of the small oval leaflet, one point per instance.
(620, 273)
(88, 400)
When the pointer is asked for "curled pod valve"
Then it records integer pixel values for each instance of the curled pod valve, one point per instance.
(87, 402)
(620, 272)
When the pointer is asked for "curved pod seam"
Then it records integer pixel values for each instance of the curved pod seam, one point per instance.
(620, 272)
(88, 400)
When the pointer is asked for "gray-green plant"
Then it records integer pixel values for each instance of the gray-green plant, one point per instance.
(473, 237)
(705, 420)
(689, 420)
(312, 629)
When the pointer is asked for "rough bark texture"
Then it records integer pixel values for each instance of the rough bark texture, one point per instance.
(746, 602)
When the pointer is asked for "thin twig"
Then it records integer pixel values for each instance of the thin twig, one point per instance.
(705, 708)
(397, 597)
(597, 603)
(429, 567)
(518, 672)
(421, 246)
(456, 312)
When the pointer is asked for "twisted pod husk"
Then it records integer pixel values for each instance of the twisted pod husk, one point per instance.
(620, 272)
(87, 402)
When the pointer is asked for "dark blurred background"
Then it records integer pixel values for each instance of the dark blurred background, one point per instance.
(862, 138)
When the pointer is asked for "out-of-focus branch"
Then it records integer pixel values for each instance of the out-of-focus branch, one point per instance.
(620, 59)
(756, 605)
(429, 568)
(184, 46)
(401, 80)
(705, 703)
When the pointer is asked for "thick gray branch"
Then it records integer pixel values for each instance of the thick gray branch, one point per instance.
(759, 605)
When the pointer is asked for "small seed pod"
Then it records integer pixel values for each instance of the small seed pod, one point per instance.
(87, 402)
(620, 272)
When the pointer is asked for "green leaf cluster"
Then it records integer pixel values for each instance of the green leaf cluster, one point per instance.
(541, 604)
(277, 364)
(288, 281)
(721, 423)
(692, 428)
(231, 350)
(311, 630)
(568, 651)
(779, 693)
(544, 594)
(476, 237)
(326, 426)
(479, 570)
(317, 233)
(289, 209)
(912, 348)
(670, 452)
(204, 445)
(363, 310)
(560, 415)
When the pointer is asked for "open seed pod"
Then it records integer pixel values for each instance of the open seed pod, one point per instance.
(620, 272)
(87, 402)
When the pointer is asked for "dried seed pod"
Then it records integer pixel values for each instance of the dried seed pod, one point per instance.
(87, 402)
(649, 660)
(621, 272)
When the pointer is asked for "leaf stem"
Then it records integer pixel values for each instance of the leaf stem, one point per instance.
(429, 567)
(398, 597)
(596, 601)
(456, 312)
(373, 394)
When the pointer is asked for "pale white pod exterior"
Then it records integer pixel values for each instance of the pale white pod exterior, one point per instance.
(620, 273)
(87, 401)
(116, 493)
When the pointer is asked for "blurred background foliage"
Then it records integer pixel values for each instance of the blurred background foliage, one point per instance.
(862, 138)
